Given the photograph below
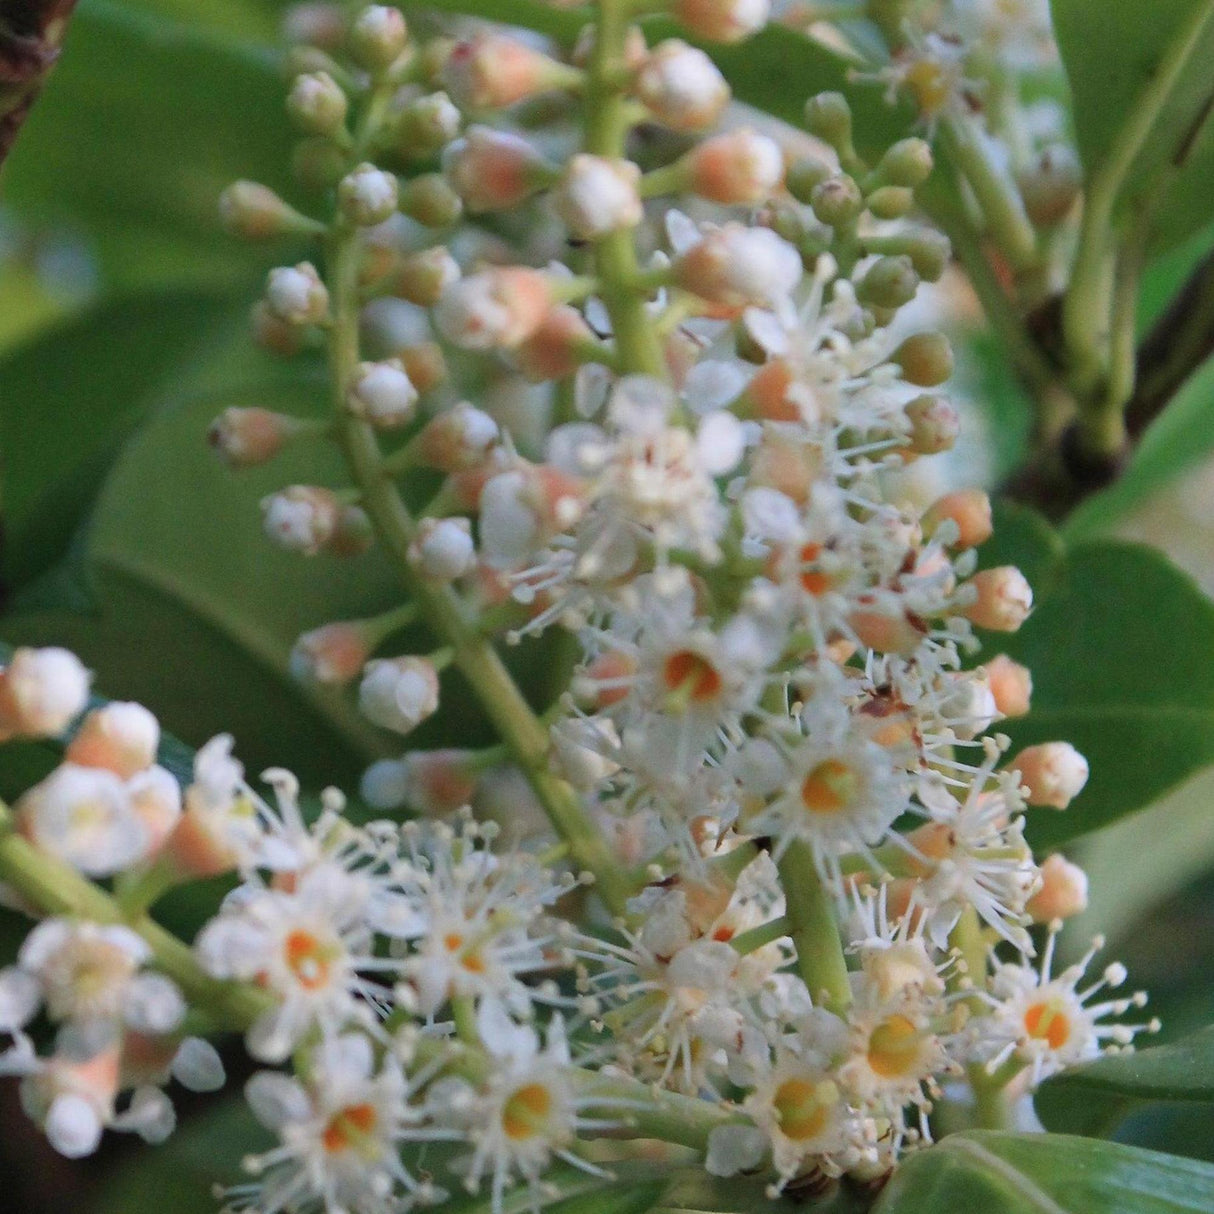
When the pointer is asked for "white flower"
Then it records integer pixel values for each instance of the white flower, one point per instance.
(383, 393)
(398, 693)
(41, 693)
(367, 195)
(599, 196)
(443, 548)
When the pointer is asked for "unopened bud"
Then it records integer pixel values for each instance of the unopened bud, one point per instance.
(598, 196)
(41, 692)
(317, 104)
(681, 87)
(156, 799)
(430, 782)
(1063, 893)
(837, 201)
(736, 167)
(890, 282)
(425, 125)
(316, 23)
(383, 394)
(886, 632)
(272, 333)
(424, 364)
(424, 276)
(493, 71)
(334, 653)
(295, 294)
(1049, 188)
(969, 509)
(907, 163)
(890, 202)
(431, 201)
(497, 308)
(934, 424)
(929, 252)
(301, 518)
(828, 116)
(398, 693)
(443, 549)
(723, 20)
(458, 438)
(1053, 773)
(1004, 599)
(1011, 684)
(367, 196)
(377, 37)
(244, 438)
(926, 359)
(318, 163)
(737, 266)
(353, 535)
(120, 737)
(552, 351)
(255, 212)
(494, 170)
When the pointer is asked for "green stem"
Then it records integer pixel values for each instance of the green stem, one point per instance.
(757, 937)
(814, 929)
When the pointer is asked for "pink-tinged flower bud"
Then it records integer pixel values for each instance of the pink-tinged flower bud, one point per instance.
(886, 632)
(121, 737)
(969, 509)
(243, 438)
(723, 20)
(317, 104)
(273, 334)
(1004, 599)
(522, 508)
(552, 351)
(41, 692)
(492, 71)
(1053, 773)
(297, 295)
(377, 36)
(443, 549)
(353, 535)
(494, 170)
(497, 308)
(430, 782)
(156, 798)
(73, 1101)
(1063, 893)
(383, 394)
(301, 518)
(424, 364)
(934, 424)
(334, 653)
(459, 438)
(768, 392)
(255, 212)
(398, 693)
(317, 24)
(736, 167)
(681, 87)
(737, 266)
(1011, 685)
(367, 196)
(424, 276)
(598, 196)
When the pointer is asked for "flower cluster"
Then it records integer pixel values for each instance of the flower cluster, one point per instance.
(780, 876)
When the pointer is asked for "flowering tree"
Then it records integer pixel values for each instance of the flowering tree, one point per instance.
(602, 455)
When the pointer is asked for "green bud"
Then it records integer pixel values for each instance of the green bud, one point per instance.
(929, 252)
(425, 125)
(926, 359)
(255, 212)
(319, 163)
(804, 175)
(889, 282)
(317, 104)
(377, 37)
(431, 201)
(838, 201)
(1049, 188)
(829, 117)
(891, 202)
(908, 163)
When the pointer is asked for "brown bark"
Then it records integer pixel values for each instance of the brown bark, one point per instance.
(31, 34)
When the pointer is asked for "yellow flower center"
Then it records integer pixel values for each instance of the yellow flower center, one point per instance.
(830, 787)
(525, 1114)
(803, 1107)
(1046, 1021)
(929, 82)
(894, 1048)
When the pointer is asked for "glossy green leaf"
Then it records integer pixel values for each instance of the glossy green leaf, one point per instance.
(1045, 1174)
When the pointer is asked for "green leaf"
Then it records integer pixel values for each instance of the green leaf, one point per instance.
(1089, 1099)
(1045, 1174)
(1112, 52)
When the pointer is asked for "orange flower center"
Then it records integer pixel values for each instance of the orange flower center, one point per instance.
(691, 676)
(830, 787)
(803, 1107)
(526, 1112)
(893, 1047)
(813, 580)
(309, 959)
(350, 1127)
(1047, 1022)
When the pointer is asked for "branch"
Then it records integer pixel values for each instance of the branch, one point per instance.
(31, 35)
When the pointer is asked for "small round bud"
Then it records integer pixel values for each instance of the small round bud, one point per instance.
(383, 394)
(1052, 774)
(968, 509)
(929, 252)
(424, 276)
(934, 424)
(804, 176)
(723, 20)
(926, 359)
(353, 534)
(431, 201)
(598, 196)
(837, 201)
(295, 294)
(885, 632)
(736, 167)
(1004, 599)
(367, 196)
(334, 653)
(301, 518)
(315, 23)
(254, 211)
(41, 693)
(443, 549)
(497, 308)
(493, 71)
(1049, 188)
(424, 364)
(120, 737)
(1011, 684)
(907, 163)
(243, 438)
(317, 104)
(551, 352)
(272, 333)
(890, 282)
(431, 782)
(681, 87)
(737, 266)
(398, 693)
(459, 438)
(494, 170)
(377, 37)
(828, 116)
(1063, 893)
(318, 163)
(890, 202)
(425, 125)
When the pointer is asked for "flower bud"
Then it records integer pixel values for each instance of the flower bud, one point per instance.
(431, 201)
(367, 196)
(255, 212)
(244, 438)
(315, 23)
(120, 737)
(425, 125)
(737, 266)
(383, 394)
(424, 364)
(681, 87)
(430, 782)
(885, 632)
(497, 308)
(907, 163)
(929, 253)
(492, 71)
(522, 508)
(837, 201)
(398, 693)
(317, 104)
(424, 276)
(804, 176)
(970, 509)
(1050, 186)
(318, 163)
(1004, 599)
(41, 692)
(353, 534)
(598, 196)
(828, 116)
(934, 424)
(273, 334)
(156, 799)
(890, 282)
(377, 37)
(1063, 893)
(1053, 774)
(494, 170)
(1011, 685)
(458, 438)
(301, 518)
(926, 359)
(443, 549)
(296, 294)
(552, 351)
(736, 168)
(890, 202)
(723, 20)
(334, 653)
